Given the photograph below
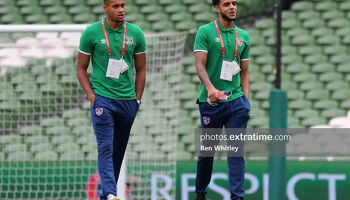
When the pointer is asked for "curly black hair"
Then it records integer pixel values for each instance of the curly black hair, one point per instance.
(215, 2)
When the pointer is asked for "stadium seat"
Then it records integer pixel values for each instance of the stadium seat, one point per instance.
(341, 95)
(61, 139)
(259, 122)
(302, 40)
(178, 17)
(295, 94)
(315, 58)
(313, 23)
(20, 156)
(340, 59)
(328, 40)
(72, 155)
(58, 130)
(154, 17)
(288, 85)
(332, 112)
(319, 94)
(46, 156)
(345, 6)
(185, 25)
(338, 23)
(309, 121)
(321, 31)
(31, 130)
(345, 104)
(41, 147)
(310, 50)
(287, 50)
(87, 139)
(297, 67)
(183, 155)
(326, 6)
(264, 24)
(303, 77)
(308, 14)
(259, 86)
(197, 8)
(96, 2)
(311, 85)
(335, 85)
(10, 148)
(335, 49)
(84, 18)
(47, 3)
(52, 122)
(302, 6)
(92, 156)
(326, 104)
(60, 18)
(332, 14)
(299, 104)
(175, 8)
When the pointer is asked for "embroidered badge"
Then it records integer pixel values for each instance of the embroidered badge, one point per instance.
(206, 120)
(129, 41)
(240, 42)
(99, 111)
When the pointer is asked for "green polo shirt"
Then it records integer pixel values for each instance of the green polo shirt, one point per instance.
(207, 40)
(93, 43)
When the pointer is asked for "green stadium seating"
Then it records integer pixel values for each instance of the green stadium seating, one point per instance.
(299, 104)
(319, 94)
(326, 6)
(41, 147)
(310, 50)
(19, 156)
(36, 139)
(46, 156)
(302, 6)
(309, 121)
(341, 95)
(72, 156)
(332, 14)
(58, 130)
(31, 130)
(326, 104)
(332, 112)
(312, 85)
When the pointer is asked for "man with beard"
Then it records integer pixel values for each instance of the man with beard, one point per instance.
(114, 46)
(222, 52)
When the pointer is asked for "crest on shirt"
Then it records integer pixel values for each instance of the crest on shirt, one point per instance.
(206, 120)
(217, 39)
(103, 41)
(99, 111)
(129, 41)
(240, 42)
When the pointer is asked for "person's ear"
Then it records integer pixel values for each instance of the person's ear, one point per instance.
(217, 8)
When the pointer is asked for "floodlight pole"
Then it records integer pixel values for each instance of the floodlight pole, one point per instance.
(278, 125)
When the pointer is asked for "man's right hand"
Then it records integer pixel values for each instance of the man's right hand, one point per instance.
(92, 99)
(213, 95)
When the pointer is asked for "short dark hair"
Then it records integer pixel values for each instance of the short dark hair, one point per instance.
(215, 2)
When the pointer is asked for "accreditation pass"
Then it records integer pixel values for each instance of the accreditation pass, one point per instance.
(114, 68)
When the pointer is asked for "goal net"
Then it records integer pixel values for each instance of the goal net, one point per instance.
(47, 144)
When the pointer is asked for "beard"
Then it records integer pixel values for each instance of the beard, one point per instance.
(226, 18)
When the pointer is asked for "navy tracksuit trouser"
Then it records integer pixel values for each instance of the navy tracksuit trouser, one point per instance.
(233, 114)
(112, 120)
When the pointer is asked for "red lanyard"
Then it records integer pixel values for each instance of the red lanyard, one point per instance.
(107, 41)
(222, 42)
